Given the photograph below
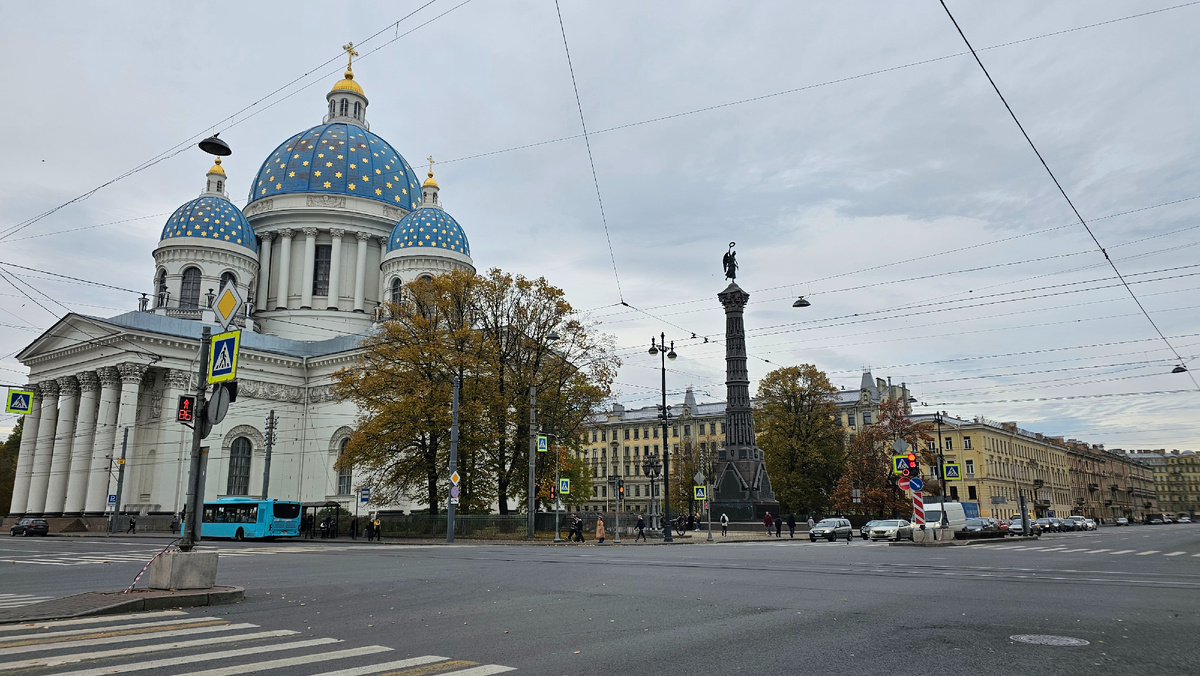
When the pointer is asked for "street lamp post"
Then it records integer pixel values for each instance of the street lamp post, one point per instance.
(551, 338)
(664, 414)
(652, 468)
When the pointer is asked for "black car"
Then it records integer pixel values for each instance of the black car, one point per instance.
(30, 527)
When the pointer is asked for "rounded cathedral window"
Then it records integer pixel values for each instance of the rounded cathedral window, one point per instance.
(397, 289)
(189, 290)
(239, 468)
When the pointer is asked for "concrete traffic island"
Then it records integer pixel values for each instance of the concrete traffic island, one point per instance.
(115, 602)
(183, 570)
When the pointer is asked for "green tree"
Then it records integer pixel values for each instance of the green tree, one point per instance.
(802, 441)
(8, 462)
(869, 465)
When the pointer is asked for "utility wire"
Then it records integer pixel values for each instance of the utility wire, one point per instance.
(1062, 191)
(591, 161)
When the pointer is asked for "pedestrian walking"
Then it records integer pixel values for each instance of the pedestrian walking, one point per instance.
(690, 520)
(724, 524)
(132, 525)
(641, 529)
(767, 522)
(810, 523)
(791, 525)
(377, 525)
(599, 529)
(779, 526)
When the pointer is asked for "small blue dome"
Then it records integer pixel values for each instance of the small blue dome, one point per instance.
(429, 227)
(213, 218)
(341, 159)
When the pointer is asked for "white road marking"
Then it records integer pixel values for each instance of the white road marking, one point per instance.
(292, 661)
(1098, 551)
(90, 620)
(139, 625)
(40, 647)
(386, 666)
(1124, 551)
(136, 650)
(485, 670)
(226, 654)
(1147, 552)
(1175, 554)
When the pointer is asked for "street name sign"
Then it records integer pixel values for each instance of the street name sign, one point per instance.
(223, 357)
(953, 471)
(19, 401)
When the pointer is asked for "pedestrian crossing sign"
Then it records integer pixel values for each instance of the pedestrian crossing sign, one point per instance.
(19, 401)
(953, 471)
(701, 492)
(542, 443)
(564, 486)
(223, 357)
(899, 463)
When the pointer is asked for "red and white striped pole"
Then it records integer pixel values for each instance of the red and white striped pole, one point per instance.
(918, 509)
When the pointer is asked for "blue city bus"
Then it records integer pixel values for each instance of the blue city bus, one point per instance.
(243, 518)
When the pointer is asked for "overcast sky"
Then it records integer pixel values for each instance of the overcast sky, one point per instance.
(891, 188)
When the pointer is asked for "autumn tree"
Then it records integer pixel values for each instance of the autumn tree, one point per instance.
(869, 464)
(8, 462)
(796, 420)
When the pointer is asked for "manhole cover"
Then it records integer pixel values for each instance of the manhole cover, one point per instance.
(1047, 639)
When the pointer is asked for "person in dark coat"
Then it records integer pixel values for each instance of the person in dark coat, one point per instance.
(132, 525)
(779, 526)
(641, 529)
(791, 521)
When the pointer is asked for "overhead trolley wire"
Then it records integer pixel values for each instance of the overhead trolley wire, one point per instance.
(1063, 191)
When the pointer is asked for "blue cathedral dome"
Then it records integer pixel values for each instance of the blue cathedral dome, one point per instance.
(341, 159)
(429, 227)
(211, 217)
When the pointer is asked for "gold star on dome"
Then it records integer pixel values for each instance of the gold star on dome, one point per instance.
(378, 191)
(366, 179)
(320, 154)
(291, 174)
(340, 157)
(388, 184)
(351, 186)
(306, 163)
(338, 175)
(353, 166)
(378, 171)
(327, 184)
(397, 198)
(329, 164)
(278, 186)
(317, 174)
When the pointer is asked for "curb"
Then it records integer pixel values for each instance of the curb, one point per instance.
(105, 603)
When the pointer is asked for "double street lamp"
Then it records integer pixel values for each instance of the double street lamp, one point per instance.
(660, 348)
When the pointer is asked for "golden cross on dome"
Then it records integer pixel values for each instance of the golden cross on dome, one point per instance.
(350, 53)
(430, 158)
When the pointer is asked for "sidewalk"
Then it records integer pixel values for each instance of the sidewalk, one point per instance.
(113, 602)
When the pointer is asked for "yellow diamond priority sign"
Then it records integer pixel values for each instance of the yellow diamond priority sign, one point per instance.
(229, 301)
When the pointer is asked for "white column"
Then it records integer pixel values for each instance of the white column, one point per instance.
(382, 292)
(81, 448)
(285, 268)
(172, 461)
(310, 257)
(131, 384)
(29, 434)
(40, 478)
(335, 268)
(100, 469)
(64, 438)
(264, 271)
(360, 272)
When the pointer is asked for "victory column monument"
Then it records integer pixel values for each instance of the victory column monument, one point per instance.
(741, 487)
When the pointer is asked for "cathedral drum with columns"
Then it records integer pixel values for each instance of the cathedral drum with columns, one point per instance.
(337, 221)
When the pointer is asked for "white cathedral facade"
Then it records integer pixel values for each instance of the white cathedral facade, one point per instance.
(336, 222)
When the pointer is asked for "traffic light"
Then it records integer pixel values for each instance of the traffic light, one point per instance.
(915, 468)
(186, 412)
(553, 492)
(620, 488)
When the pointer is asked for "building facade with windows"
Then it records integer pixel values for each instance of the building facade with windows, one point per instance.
(1176, 477)
(336, 222)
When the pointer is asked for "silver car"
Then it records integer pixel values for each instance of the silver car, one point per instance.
(892, 529)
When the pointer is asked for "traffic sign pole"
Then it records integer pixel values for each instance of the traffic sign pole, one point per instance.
(450, 504)
(195, 492)
(112, 520)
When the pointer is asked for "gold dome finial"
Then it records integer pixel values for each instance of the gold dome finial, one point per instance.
(347, 83)
(216, 168)
(429, 181)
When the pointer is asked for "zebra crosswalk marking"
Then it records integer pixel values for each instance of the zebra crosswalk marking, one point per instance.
(138, 650)
(18, 600)
(292, 661)
(389, 666)
(176, 624)
(1124, 551)
(485, 670)
(1147, 552)
(89, 620)
(1175, 554)
(1098, 551)
(36, 645)
(225, 654)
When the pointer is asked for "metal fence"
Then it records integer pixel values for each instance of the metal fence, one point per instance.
(483, 526)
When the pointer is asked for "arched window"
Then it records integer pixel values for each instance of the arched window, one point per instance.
(227, 278)
(345, 474)
(343, 109)
(426, 278)
(397, 289)
(239, 467)
(189, 290)
(357, 110)
(160, 289)
(220, 186)
(331, 106)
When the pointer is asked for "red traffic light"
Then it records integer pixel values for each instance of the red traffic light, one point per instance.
(911, 458)
(904, 473)
(186, 412)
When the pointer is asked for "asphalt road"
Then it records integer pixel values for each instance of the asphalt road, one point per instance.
(771, 607)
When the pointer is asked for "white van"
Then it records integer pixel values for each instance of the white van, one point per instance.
(955, 517)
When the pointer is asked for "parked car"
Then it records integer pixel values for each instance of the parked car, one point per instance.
(955, 515)
(1122, 521)
(1185, 519)
(1064, 525)
(1091, 525)
(892, 529)
(30, 527)
(1014, 527)
(865, 531)
(1003, 526)
(982, 527)
(1156, 522)
(1047, 525)
(832, 529)
(1079, 522)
